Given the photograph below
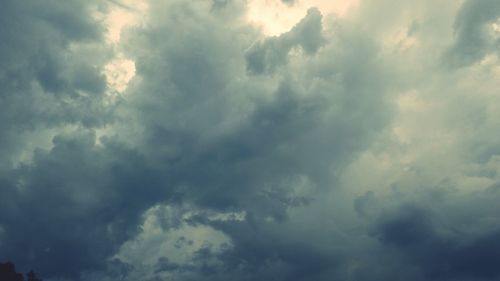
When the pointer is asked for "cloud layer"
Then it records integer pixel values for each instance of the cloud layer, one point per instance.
(353, 147)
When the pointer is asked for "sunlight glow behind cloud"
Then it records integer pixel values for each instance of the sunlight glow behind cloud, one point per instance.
(276, 17)
(120, 70)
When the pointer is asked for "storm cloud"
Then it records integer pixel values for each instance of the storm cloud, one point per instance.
(354, 146)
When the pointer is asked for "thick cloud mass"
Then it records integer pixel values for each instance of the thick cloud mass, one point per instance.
(474, 38)
(360, 147)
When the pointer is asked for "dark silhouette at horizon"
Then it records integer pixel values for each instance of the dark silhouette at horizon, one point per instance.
(8, 273)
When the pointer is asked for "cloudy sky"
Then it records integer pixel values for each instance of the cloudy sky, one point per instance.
(305, 140)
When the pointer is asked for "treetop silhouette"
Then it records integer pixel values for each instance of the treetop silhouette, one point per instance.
(8, 273)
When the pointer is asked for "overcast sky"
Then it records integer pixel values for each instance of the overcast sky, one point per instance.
(251, 140)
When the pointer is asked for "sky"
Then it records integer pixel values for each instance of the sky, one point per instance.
(305, 140)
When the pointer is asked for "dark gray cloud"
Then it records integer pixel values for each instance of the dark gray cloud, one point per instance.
(440, 256)
(50, 78)
(45, 82)
(67, 210)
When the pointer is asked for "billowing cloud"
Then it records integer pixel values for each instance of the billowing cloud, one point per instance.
(474, 32)
(351, 147)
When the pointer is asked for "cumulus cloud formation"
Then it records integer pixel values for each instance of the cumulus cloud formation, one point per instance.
(351, 147)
